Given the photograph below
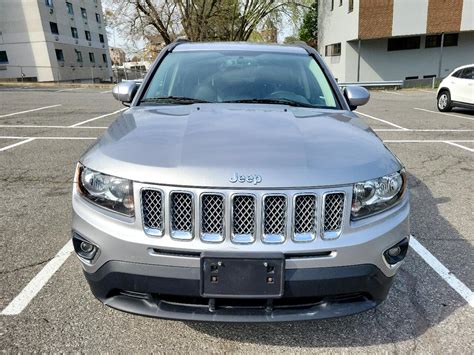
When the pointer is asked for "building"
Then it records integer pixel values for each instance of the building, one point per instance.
(372, 40)
(53, 40)
(117, 56)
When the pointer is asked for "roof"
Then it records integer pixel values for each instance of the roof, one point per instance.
(242, 46)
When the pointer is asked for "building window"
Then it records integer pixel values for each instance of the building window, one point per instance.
(91, 57)
(78, 56)
(3, 57)
(54, 28)
(411, 78)
(403, 43)
(59, 55)
(332, 5)
(97, 18)
(351, 5)
(48, 3)
(70, 9)
(88, 35)
(333, 50)
(434, 41)
(101, 38)
(74, 32)
(340, 3)
(84, 13)
(104, 57)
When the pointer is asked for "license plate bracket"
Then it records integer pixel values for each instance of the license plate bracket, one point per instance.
(242, 276)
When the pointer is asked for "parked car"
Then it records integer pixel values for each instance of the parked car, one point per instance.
(239, 186)
(457, 89)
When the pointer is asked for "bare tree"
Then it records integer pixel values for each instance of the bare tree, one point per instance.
(198, 20)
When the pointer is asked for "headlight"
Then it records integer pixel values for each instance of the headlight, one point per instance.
(376, 195)
(106, 191)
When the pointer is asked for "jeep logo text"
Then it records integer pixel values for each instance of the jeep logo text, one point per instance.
(251, 179)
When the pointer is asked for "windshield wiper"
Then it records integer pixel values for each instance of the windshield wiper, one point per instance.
(174, 100)
(272, 101)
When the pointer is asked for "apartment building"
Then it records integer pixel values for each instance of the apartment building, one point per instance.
(53, 40)
(372, 40)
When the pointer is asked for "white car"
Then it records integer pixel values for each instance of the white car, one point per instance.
(457, 89)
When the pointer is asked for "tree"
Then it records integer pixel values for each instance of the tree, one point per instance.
(309, 29)
(198, 20)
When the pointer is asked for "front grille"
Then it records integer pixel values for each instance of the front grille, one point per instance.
(333, 212)
(305, 218)
(243, 219)
(181, 215)
(212, 218)
(268, 217)
(274, 218)
(152, 211)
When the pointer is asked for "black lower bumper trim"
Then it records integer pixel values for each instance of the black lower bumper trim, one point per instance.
(174, 293)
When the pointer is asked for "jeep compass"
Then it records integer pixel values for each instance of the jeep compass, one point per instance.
(239, 186)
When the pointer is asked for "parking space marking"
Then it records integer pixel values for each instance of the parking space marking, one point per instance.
(429, 92)
(420, 130)
(17, 144)
(459, 146)
(444, 113)
(39, 126)
(32, 110)
(45, 138)
(71, 89)
(105, 92)
(392, 92)
(426, 141)
(96, 118)
(19, 303)
(384, 121)
(442, 271)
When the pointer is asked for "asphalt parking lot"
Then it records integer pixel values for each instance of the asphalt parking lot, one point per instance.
(45, 301)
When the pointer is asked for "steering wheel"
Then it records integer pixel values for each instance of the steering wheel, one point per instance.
(281, 94)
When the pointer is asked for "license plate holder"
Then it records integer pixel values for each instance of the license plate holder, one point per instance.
(242, 276)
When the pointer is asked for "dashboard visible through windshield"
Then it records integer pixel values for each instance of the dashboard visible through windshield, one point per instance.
(240, 76)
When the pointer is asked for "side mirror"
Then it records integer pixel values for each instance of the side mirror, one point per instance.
(125, 91)
(356, 96)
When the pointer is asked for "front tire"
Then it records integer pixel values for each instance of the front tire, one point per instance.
(444, 101)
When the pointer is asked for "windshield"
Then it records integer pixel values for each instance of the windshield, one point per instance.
(240, 76)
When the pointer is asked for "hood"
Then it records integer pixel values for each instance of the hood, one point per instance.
(212, 145)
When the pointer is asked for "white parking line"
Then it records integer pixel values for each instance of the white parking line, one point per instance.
(70, 89)
(418, 130)
(39, 126)
(96, 118)
(19, 303)
(106, 92)
(384, 121)
(444, 113)
(45, 138)
(429, 92)
(17, 144)
(392, 92)
(459, 146)
(427, 141)
(442, 271)
(32, 110)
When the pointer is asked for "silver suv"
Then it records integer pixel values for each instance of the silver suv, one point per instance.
(239, 186)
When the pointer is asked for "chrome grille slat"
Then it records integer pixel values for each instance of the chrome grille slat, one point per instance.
(305, 222)
(212, 217)
(274, 218)
(152, 212)
(246, 217)
(333, 213)
(243, 219)
(181, 211)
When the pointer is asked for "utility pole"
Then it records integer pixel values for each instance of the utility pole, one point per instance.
(441, 55)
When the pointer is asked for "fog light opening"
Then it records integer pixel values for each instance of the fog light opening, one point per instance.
(83, 248)
(397, 252)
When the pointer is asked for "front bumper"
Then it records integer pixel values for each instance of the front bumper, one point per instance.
(174, 293)
(159, 276)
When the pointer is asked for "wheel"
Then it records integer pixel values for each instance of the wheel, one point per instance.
(444, 101)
